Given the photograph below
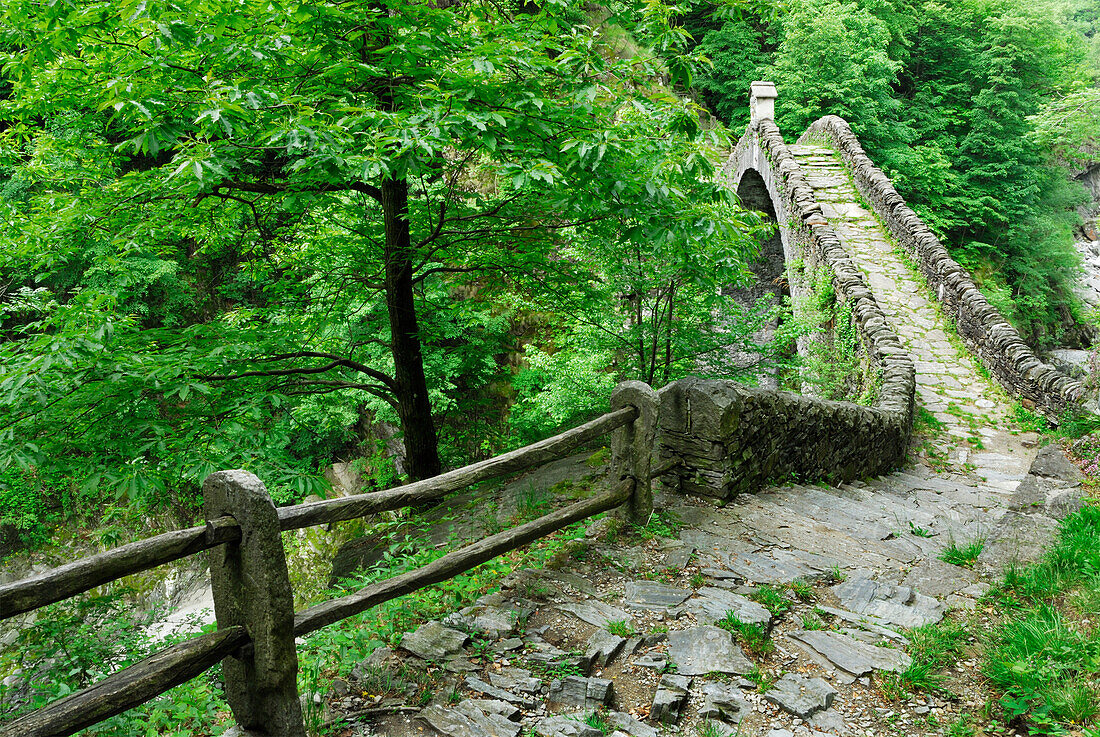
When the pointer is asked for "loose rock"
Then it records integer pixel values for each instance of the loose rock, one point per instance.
(707, 649)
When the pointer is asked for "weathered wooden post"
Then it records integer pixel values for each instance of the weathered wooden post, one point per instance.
(252, 588)
(632, 446)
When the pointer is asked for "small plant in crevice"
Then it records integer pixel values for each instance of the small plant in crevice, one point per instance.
(596, 720)
(772, 599)
(917, 531)
(802, 591)
(563, 667)
(963, 555)
(662, 523)
(812, 622)
(764, 681)
(710, 728)
(620, 628)
(933, 648)
(754, 637)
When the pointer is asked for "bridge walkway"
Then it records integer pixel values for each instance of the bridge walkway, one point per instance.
(974, 409)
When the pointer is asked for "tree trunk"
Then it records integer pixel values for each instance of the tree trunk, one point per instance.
(414, 407)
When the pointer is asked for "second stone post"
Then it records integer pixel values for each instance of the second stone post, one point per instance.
(632, 446)
(252, 588)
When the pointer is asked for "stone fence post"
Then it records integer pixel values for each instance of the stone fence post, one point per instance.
(761, 102)
(252, 588)
(633, 446)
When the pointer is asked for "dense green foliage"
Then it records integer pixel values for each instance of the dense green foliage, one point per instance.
(961, 104)
(243, 234)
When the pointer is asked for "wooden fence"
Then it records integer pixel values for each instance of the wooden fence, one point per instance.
(253, 601)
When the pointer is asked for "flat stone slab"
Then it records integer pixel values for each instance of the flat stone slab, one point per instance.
(493, 706)
(559, 726)
(434, 641)
(886, 602)
(706, 649)
(934, 577)
(631, 726)
(765, 569)
(596, 612)
(656, 661)
(713, 604)
(467, 720)
(849, 654)
(800, 696)
(602, 647)
(654, 596)
(476, 684)
(723, 703)
(515, 679)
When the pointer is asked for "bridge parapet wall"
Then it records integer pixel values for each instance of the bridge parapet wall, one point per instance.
(732, 438)
(984, 331)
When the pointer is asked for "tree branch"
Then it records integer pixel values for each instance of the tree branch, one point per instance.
(335, 362)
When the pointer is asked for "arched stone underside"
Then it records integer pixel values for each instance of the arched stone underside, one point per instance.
(770, 263)
(768, 283)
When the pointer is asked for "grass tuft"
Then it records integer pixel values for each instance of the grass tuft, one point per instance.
(620, 628)
(1044, 658)
(772, 599)
(753, 637)
(965, 555)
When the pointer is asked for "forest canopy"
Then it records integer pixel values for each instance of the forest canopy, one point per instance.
(972, 108)
(236, 234)
(269, 235)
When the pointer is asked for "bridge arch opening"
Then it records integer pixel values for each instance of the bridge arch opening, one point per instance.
(769, 278)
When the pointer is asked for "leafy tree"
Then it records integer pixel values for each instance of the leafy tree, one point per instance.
(254, 212)
(833, 59)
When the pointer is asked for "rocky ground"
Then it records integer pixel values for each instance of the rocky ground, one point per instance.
(825, 582)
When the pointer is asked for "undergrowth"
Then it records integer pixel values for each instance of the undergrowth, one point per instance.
(1044, 658)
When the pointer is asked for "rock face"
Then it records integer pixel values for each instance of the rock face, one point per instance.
(1052, 464)
(849, 655)
(574, 692)
(723, 703)
(701, 650)
(888, 603)
(800, 696)
(602, 647)
(672, 693)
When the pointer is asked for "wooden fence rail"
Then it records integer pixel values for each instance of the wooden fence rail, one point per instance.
(252, 598)
(88, 573)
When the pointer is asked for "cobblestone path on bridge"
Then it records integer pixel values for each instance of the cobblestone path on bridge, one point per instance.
(949, 385)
